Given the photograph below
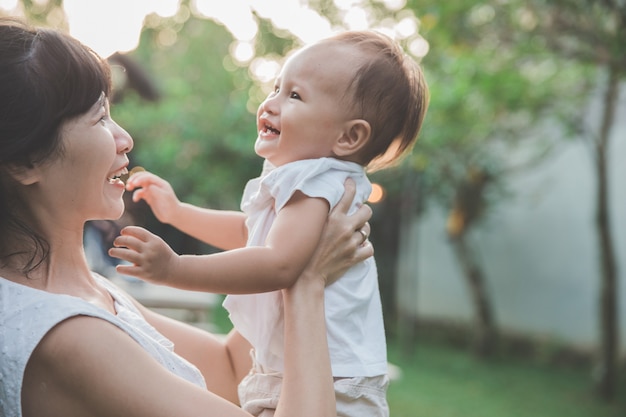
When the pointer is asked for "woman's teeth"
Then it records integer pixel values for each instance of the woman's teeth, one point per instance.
(117, 176)
(125, 176)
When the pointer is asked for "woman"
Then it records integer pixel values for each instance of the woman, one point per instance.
(71, 343)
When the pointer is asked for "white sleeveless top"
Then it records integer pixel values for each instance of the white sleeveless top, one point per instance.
(27, 315)
(354, 319)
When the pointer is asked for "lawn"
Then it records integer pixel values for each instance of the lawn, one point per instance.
(442, 381)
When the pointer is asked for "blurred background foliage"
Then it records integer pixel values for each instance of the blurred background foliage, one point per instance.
(489, 94)
(200, 134)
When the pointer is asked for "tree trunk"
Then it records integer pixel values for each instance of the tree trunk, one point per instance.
(606, 368)
(389, 217)
(384, 236)
(485, 336)
(410, 211)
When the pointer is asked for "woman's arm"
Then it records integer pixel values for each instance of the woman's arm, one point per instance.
(307, 389)
(223, 360)
(88, 367)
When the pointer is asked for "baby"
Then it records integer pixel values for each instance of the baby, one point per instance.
(346, 104)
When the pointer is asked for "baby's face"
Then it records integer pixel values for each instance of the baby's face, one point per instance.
(307, 113)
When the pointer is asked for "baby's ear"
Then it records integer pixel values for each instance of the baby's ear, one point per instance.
(355, 136)
(24, 174)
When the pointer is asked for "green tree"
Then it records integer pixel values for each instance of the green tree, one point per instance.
(200, 134)
(201, 129)
(492, 98)
(593, 34)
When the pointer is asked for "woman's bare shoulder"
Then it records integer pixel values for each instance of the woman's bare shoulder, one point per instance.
(86, 366)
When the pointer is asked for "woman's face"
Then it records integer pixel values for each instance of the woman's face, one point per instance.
(82, 182)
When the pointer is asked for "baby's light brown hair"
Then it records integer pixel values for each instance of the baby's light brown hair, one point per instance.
(389, 92)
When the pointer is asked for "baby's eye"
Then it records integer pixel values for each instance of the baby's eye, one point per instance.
(294, 95)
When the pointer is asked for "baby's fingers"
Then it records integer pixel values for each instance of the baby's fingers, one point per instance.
(126, 252)
(139, 179)
(129, 244)
(131, 270)
(136, 232)
(144, 179)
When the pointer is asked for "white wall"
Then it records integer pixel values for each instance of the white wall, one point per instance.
(539, 251)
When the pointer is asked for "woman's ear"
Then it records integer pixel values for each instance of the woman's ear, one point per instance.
(356, 135)
(24, 174)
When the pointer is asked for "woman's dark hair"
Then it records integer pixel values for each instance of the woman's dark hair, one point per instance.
(46, 78)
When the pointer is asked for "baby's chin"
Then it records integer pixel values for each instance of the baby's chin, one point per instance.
(261, 150)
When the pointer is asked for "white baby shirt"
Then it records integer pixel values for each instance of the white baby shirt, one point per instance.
(354, 319)
(27, 315)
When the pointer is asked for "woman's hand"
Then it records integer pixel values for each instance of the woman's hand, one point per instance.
(344, 240)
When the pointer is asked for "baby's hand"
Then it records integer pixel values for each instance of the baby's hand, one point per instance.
(151, 258)
(157, 192)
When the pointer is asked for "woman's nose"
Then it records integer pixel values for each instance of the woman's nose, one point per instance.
(123, 140)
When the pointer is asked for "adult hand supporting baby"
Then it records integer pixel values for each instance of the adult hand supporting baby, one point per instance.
(342, 245)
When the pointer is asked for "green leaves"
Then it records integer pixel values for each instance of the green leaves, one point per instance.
(200, 135)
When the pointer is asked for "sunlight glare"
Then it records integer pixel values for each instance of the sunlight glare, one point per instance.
(92, 23)
(167, 37)
(356, 19)
(128, 17)
(377, 195)
(419, 47)
(406, 28)
(303, 22)
(347, 4)
(394, 5)
(8, 5)
(234, 14)
(264, 70)
(242, 51)
(164, 8)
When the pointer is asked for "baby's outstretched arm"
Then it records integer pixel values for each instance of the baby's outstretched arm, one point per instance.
(223, 229)
(290, 244)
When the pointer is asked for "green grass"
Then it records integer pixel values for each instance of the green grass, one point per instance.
(440, 381)
(445, 382)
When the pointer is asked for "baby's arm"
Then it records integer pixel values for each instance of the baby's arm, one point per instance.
(292, 240)
(220, 228)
